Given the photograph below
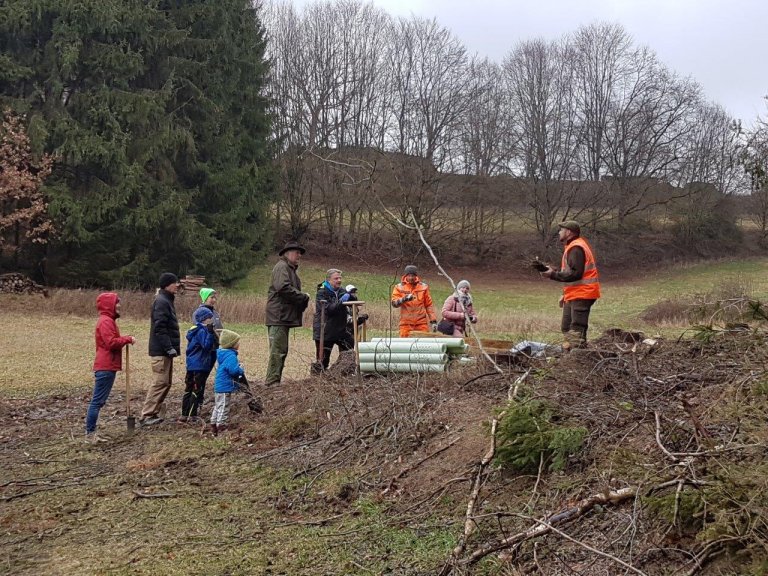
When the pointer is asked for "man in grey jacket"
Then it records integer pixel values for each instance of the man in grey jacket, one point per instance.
(285, 305)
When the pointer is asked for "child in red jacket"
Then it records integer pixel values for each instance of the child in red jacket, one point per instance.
(109, 359)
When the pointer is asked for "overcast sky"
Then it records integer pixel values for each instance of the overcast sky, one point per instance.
(722, 44)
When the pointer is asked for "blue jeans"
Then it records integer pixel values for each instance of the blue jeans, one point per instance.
(104, 379)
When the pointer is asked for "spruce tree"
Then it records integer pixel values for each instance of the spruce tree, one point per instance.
(155, 113)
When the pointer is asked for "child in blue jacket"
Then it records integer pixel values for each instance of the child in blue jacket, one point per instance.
(227, 373)
(201, 356)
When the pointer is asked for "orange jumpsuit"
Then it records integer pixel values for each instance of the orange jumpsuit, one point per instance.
(415, 314)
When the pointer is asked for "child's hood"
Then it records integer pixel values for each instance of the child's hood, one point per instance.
(106, 303)
(193, 330)
(223, 353)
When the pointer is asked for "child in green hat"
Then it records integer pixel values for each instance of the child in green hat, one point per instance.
(208, 300)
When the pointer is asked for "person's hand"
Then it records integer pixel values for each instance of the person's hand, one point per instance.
(408, 297)
(548, 272)
(561, 302)
(171, 352)
(473, 319)
(133, 340)
(433, 326)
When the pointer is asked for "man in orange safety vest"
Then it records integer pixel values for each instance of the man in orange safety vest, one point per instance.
(578, 270)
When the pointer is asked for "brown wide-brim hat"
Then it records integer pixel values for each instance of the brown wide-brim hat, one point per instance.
(292, 245)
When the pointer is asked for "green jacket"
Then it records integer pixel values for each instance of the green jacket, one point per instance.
(285, 300)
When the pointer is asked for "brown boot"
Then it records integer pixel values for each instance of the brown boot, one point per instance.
(573, 340)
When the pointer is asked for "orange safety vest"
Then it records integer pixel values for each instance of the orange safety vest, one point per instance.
(418, 313)
(588, 286)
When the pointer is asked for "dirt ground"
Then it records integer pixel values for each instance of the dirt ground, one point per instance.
(342, 475)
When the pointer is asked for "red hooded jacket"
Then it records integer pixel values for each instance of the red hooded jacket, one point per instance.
(109, 343)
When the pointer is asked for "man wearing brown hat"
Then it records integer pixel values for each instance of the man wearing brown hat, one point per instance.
(285, 305)
(578, 270)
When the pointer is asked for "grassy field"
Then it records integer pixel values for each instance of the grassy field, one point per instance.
(174, 501)
(59, 330)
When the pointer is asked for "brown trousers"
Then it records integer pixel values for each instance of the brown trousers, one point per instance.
(576, 317)
(154, 403)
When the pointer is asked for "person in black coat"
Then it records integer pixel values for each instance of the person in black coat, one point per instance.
(329, 304)
(164, 343)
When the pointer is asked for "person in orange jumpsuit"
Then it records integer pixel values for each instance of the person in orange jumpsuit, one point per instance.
(412, 296)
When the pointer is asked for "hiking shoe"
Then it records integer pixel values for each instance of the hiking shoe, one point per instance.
(93, 438)
(214, 429)
(151, 421)
(182, 420)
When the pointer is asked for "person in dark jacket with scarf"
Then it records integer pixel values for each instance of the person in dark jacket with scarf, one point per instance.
(164, 344)
(285, 306)
(330, 310)
(201, 356)
(109, 359)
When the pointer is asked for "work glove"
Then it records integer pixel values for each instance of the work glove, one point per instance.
(538, 265)
(433, 326)
(473, 319)
(362, 318)
(242, 382)
(171, 352)
(409, 297)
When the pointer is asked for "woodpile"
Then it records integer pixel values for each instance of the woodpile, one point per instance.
(191, 284)
(16, 283)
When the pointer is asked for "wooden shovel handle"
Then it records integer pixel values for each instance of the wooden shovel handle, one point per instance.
(128, 381)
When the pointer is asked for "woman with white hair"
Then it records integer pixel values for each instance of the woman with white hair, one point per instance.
(458, 309)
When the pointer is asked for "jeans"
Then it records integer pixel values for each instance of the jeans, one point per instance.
(104, 379)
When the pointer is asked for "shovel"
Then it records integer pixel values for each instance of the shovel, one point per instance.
(129, 419)
(317, 367)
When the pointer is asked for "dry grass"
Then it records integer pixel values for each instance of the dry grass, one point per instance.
(239, 308)
(44, 352)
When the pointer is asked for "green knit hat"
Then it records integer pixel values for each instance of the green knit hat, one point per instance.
(228, 338)
(205, 292)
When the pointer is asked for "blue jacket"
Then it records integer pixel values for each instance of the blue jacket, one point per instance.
(201, 349)
(229, 369)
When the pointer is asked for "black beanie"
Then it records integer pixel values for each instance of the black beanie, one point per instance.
(168, 278)
(411, 269)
